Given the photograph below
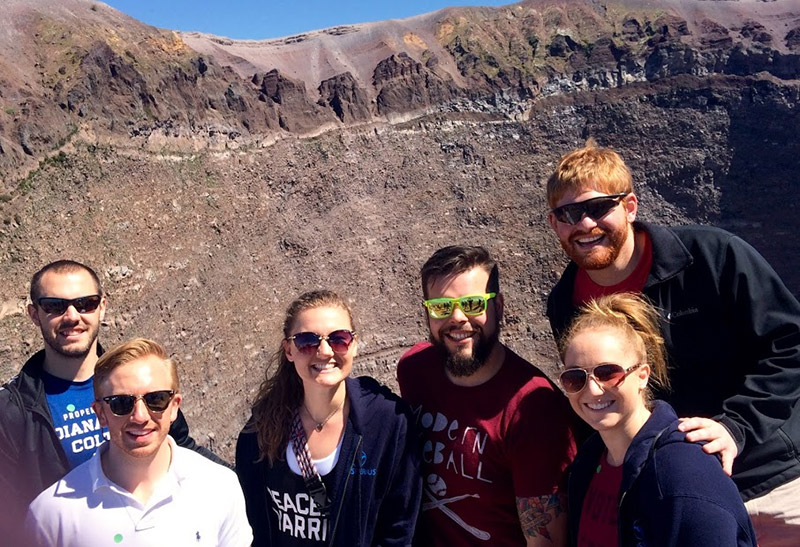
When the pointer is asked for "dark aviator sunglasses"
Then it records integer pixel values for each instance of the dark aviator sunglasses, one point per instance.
(309, 342)
(573, 380)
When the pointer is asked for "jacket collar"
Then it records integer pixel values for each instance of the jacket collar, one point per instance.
(654, 433)
(29, 380)
(670, 255)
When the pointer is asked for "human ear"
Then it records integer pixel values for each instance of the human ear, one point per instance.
(551, 219)
(643, 374)
(100, 412)
(174, 406)
(631, 203)
(287, 350)
(33, 313)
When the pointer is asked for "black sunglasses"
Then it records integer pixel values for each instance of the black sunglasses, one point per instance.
(573, 380)
(155, 401)
(338, 340)
(594, 208)
(59, 306)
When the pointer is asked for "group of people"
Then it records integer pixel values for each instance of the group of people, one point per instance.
(674, 420)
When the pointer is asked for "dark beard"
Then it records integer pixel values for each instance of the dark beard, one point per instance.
(70, 352)
(465, 365)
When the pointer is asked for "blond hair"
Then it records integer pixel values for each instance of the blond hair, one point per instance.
(127, 352)
(636, 319)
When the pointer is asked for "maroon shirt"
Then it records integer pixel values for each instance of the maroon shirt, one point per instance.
(484, 446)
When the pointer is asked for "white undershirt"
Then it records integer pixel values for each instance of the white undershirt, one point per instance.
(324, 465)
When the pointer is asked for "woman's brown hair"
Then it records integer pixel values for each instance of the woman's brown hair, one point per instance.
(281, 392)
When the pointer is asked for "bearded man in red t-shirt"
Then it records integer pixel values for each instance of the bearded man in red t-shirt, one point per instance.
(496, 431)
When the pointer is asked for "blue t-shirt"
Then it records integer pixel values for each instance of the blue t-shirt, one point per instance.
(75, 422)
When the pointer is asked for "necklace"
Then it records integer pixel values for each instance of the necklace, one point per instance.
(319, 425)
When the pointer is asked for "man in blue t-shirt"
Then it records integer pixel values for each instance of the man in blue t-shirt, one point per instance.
(47, 426)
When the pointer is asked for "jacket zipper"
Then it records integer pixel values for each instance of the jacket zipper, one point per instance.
(344, 490)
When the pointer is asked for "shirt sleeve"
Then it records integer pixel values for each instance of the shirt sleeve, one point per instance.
(235, 530)
(35, 533)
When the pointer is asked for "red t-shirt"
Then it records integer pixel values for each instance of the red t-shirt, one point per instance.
(586, 289)
(484, 446)
(598, 525)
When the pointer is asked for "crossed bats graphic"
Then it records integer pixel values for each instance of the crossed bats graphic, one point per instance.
(441, 504)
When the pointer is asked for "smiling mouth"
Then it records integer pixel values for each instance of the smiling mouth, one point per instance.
(460, 336)
(599, 406)
(324, 367)
(139, 433)
(588, 240)
(70, 333)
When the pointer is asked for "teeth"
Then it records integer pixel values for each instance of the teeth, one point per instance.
(460, 335)
(588, 240)
(599, 406)
(326, 366)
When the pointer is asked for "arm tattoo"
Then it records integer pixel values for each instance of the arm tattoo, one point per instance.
(537, 512)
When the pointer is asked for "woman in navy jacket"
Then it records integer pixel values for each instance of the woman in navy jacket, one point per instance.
(326, 459)
(638, 481)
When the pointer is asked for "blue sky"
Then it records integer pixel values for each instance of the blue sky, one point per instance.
(253, 19)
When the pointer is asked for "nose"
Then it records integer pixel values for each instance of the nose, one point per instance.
(594, 386)
(458, 314)
(586, 222)
(72, 313)
(140, 413)
(324, 348)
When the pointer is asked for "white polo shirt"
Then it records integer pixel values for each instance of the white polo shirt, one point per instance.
(198, 502)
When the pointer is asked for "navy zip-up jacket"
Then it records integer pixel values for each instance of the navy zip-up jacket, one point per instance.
(672, 493)
(375, 507)
(732, 334)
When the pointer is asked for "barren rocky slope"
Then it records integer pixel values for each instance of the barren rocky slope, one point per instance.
(209, 185)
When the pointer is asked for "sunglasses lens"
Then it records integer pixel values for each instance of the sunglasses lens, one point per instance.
(599, 208)
(439, 308)
(307, 342)
(86, 304)
(340, 340)
(472, 305)
(157, 401)
(54, 305)
(608, 373)
(573, 380)
(121, 405)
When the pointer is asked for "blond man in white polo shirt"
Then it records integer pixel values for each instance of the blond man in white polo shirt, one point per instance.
(140, 488)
